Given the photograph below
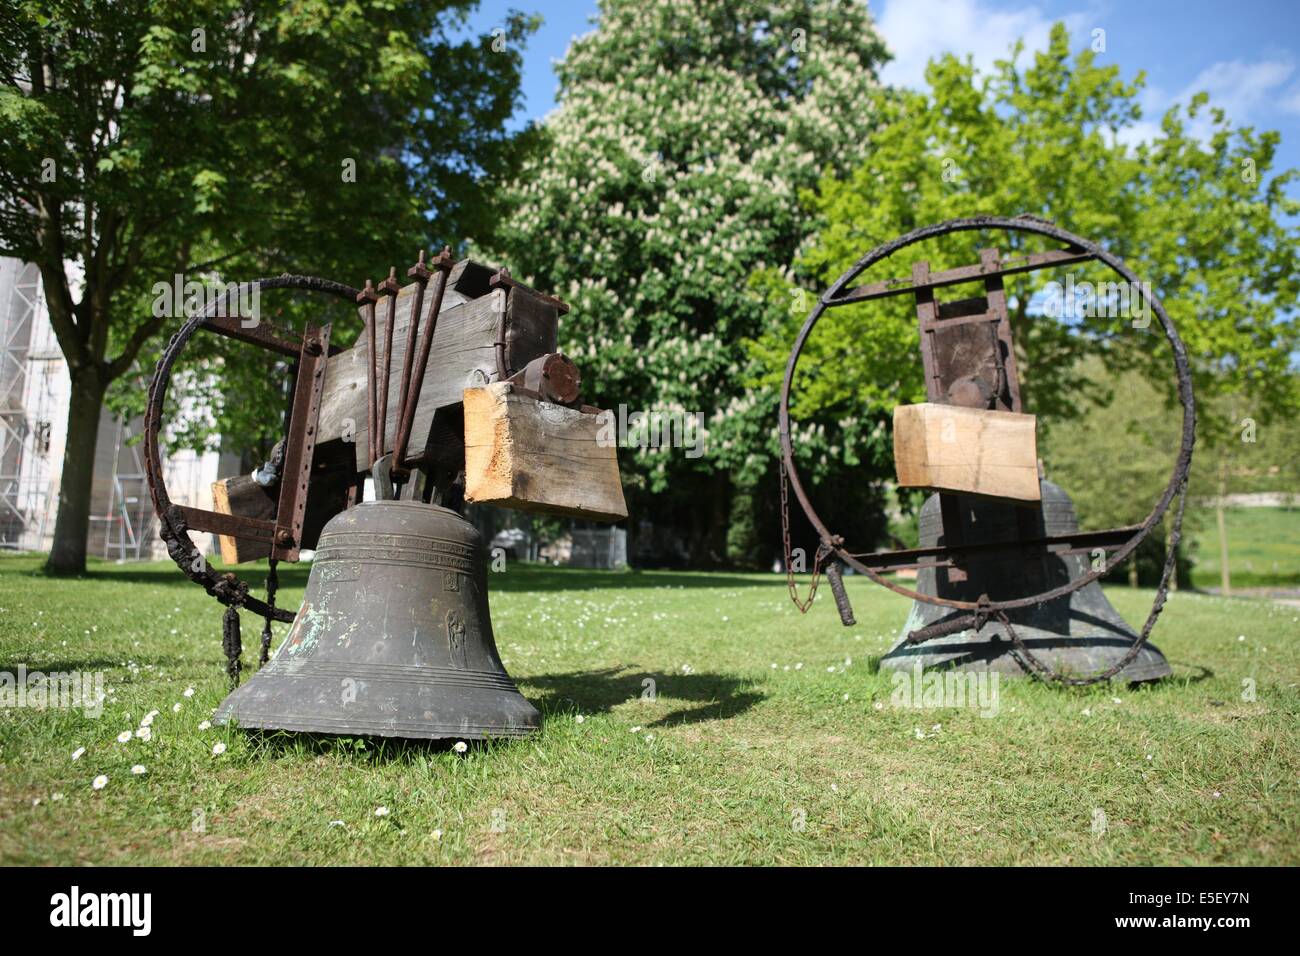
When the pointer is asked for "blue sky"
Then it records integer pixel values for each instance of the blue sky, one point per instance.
(1246, 53)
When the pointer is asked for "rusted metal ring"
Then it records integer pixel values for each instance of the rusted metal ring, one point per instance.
(226, 588)
(1182, 465)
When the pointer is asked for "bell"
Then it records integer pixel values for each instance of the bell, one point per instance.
(1079, 634)
(393, 638)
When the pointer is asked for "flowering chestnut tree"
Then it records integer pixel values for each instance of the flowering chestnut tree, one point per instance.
(668, 174)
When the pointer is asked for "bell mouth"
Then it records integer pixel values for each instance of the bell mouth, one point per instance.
(425, 703)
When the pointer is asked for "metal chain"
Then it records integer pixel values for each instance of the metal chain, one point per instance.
(822, 551)
(230, 638)
(272, 585)
(1038, 669)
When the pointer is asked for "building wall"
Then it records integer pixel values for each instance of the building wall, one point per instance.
(34, 396)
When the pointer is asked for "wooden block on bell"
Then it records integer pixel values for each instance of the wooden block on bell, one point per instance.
(972, 450)
(537, 456)
(243, 497)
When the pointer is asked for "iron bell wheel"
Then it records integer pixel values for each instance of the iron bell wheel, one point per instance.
(978, 612)
(393, 638)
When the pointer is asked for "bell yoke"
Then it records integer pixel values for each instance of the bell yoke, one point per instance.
(394, 636)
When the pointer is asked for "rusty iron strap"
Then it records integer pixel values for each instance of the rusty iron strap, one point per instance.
(367, 298)
(442, 264)
(389, 288)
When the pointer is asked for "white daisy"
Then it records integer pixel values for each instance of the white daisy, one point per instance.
(204, 725)
(189, 692)
(381, 811)
(460, 747)
(76, 754)
(124, 736)
(138, 769)
(218, 749)
(176, 707)
(100, 782)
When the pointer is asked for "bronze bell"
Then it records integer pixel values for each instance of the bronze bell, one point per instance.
(1080, 633)
(393, 638)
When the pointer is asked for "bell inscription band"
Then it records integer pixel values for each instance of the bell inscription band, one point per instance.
(393, 638)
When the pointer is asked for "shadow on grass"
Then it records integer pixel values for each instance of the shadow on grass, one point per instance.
(516, 578)
(713, 696)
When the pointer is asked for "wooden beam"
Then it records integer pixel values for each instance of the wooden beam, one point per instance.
(535, 456)
(977, 451)
(242, 497)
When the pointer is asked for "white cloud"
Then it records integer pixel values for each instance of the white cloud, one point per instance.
(1291, 102)
(917, 31)
(1241, 90)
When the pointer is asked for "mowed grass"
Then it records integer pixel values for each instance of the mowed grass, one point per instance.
(771, 739)
(1263, 548)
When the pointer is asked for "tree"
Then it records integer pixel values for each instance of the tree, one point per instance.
(1114, 459)
(141, 139)
(669, 172)
(1203, 222)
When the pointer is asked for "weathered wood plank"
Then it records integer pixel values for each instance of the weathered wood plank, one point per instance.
(970, 450)
(534, 456)
(242, 497)
(462, 355)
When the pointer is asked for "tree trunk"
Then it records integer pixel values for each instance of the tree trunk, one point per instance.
(68, 553)
(1225, 578)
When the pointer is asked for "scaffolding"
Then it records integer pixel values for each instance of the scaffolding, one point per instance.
(35, 391)
(127, 521)
(30, 364)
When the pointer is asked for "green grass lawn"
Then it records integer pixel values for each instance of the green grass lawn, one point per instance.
(772, 739)
(1263, 548)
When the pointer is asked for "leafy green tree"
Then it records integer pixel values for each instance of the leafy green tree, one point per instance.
(1207, 224)
(1115, 457)
(1252, 457)
(140, 139)
(671, 171)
